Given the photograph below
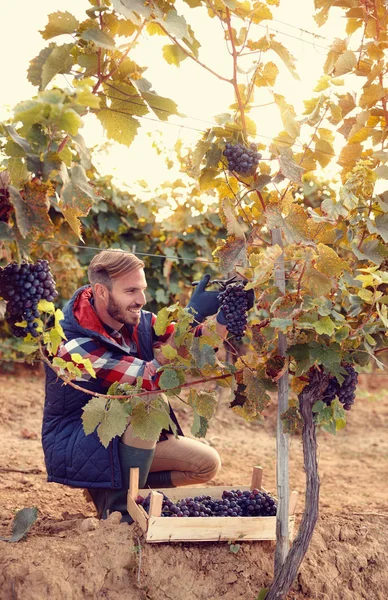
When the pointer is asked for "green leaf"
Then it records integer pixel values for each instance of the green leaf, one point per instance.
(173, 54)
(23, 521)
(306, 355)
(203, 354)
(169, 379)
(372, 250)
(162, 107)
(58, 24)
(203, 402)
(100, 38)
(34, 72)
(18, 139)
(18, 172)
(282, 324)
(148, 420)
(256, 389)
(70, 121)
(263, 594)
(93, 414)
(128, 7)
(125, 99)
(175, 25)
(113, 423)
(200, 426)
(324, 326)
(60, 60)
(119, 127)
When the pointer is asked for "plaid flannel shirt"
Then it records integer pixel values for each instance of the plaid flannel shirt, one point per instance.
(110, 366)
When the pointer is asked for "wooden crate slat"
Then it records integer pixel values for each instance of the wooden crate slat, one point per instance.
(196, 529)
(137, 513)
(184, 492)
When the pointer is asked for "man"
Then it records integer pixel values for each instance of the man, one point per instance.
(105, 322)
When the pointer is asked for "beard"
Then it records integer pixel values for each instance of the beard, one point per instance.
(122, 315)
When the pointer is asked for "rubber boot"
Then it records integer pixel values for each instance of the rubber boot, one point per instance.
(107, 500)
(159, 479)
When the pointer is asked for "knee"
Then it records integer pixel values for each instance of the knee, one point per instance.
(210, 466)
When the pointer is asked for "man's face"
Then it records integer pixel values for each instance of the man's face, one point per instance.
(127, 297)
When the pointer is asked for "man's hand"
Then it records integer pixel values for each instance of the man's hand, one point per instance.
(203, 303)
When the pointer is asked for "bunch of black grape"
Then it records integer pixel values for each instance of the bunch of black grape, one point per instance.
(234, 503)
(240, 158)
(234, 304)
(346, 391)
(22, 286)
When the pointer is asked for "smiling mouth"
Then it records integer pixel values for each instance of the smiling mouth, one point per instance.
(135, 311)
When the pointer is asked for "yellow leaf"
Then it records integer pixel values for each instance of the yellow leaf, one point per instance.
(329, 263)
(349, 154)
(371, 95)
(365, 295)
(168, 351)
(268, 75)
(58, 327)
(46, 307)
(324, 152)
(316, 283)
(345, 63)
(322, 84)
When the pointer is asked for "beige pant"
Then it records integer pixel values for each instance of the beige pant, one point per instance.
(189, 461)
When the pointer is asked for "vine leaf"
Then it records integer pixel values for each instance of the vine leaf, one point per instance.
(203, 354)
(170, 378)
(31, 209)
(58, 24)
(110, 418)
(173, 54)
(288, 167)
(23, 521)
(128, 7)
(76, 197)
(200, 426)
(231, 253)
(60, 60)
(329, 263)
(120, 127)
(203, 402)
(98, 37)
(148, 419)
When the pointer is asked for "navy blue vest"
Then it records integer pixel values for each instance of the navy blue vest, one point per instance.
(71, 457)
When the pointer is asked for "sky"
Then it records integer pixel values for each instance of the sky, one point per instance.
(199, 95)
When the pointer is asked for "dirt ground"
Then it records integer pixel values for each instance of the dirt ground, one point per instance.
(69, 555)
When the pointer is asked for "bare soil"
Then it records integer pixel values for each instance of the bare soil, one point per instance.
(70, 555)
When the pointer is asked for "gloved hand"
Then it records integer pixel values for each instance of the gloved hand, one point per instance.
(221, 318)
(202, 303)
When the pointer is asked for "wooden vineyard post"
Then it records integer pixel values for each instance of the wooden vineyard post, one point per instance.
(282, 439)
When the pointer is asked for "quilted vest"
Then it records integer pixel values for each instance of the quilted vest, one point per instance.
(71, 457)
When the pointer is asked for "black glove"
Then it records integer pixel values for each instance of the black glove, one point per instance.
(202, 303)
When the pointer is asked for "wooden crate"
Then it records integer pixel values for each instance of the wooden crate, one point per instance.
(201, 529)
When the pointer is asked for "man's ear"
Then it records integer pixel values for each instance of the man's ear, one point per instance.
(101, 291)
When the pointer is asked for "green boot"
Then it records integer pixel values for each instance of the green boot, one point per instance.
(107, 501)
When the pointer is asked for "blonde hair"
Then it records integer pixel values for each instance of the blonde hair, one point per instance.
(108, 264)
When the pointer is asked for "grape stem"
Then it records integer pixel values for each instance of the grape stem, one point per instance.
(68, 381)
